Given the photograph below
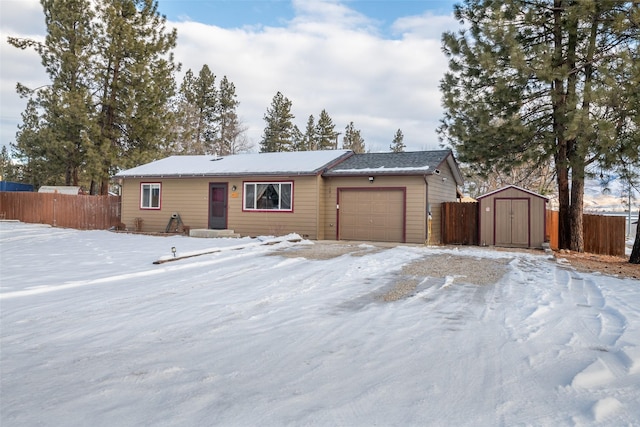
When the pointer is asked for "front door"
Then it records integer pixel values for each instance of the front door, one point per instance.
(218, 206)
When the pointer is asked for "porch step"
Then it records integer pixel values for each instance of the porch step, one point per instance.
(205, 232)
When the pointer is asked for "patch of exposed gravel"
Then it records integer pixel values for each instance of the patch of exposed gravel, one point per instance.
(323, 251)
(475, 271)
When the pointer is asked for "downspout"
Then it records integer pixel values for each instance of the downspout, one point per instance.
(427, 213)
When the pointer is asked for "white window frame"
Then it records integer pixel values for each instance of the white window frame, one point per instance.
(254, 201)
(148, 202)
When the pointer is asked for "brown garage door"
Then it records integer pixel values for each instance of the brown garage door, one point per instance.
(376, 215)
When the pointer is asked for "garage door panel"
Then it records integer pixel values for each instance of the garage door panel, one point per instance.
(376, 215)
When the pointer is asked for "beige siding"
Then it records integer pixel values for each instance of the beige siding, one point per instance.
(190, 198)
(322, 211)
(303, 220)
(527, 217)
(186, 196)
(441, 188)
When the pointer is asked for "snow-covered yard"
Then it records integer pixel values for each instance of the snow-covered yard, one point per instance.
(93, 333)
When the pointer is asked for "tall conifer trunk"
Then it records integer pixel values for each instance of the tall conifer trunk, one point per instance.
(559, 103)
(635, 252)
(576, 242)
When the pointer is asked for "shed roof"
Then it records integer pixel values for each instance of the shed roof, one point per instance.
(514, 187)
(280, 163)
(60, 189)
(404, 163)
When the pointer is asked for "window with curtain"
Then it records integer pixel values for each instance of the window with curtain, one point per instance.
(270, 196)
(150, 195)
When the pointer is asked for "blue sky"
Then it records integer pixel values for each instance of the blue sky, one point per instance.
(274, 13)
(376, 63)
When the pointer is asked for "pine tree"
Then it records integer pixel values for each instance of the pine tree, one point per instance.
(8, 171)
(64, 106)
(33, 148)
(231, 138)
(278, 133)
(310, 140)
(111, 72)
(535, 82)
(352, 139)
(134, 72)
(397, 146)
(197, 110)
(297, 139)
(325, 132)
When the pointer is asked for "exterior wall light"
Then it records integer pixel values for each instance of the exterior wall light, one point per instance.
(234, 188)
(371, 179)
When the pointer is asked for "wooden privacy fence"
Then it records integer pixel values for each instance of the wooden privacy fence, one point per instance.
(603, 235)
(61, 210)
(551, 227)
(460, 223)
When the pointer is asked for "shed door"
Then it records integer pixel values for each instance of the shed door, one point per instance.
(371, 215)
(512, 222)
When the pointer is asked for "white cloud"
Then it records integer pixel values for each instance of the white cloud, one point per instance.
(327, 57)
(22, 19)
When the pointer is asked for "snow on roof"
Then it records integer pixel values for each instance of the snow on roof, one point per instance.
(285, 163)
(61, 189)
(390, 163)
(404, 163)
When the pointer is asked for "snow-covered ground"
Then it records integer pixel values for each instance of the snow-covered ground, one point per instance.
(93, 333)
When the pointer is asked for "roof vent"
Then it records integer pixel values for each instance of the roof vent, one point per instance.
(216, 157)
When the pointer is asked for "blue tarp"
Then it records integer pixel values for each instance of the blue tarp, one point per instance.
(15, 186)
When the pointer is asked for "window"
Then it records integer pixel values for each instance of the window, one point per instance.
(150, 196)
(269, 196)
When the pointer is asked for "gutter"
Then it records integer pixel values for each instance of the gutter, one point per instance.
(229, 175)
(427, 213)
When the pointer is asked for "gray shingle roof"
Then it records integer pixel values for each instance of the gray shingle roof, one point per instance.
(406, 163)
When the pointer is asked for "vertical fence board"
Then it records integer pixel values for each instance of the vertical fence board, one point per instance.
(604, 234)
(460, 223)
(551, 228)
(62, 210)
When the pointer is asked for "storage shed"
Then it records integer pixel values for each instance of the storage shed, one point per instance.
(61, 189)
(512, 217)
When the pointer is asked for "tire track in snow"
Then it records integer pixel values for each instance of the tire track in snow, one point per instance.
(599, 329)
(573, 344)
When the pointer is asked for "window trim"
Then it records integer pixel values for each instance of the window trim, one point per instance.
(151, 186)
(255, 183)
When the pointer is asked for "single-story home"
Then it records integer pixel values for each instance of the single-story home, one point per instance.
(320, 195)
